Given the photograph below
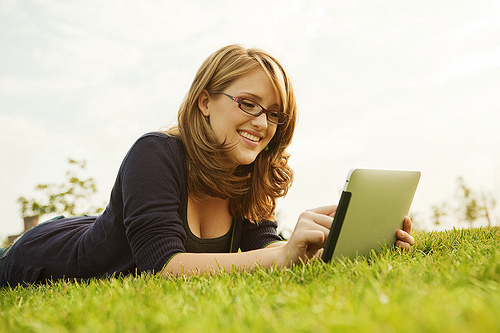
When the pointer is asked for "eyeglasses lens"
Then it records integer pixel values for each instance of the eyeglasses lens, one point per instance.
(253, 108)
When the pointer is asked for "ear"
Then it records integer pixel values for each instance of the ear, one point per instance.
(203, 101)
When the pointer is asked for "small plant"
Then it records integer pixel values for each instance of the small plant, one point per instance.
(438, 212)
(472, 207)
(66, 198)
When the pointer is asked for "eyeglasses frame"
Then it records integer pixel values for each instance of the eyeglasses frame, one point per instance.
(240, 100)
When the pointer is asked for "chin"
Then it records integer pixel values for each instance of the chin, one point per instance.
(245, 160)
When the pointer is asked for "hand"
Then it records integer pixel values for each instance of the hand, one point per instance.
(309, 236)
(404, 239)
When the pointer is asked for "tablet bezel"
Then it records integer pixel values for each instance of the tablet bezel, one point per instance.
(371, 209)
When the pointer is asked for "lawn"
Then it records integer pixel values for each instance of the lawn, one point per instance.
(449, 282)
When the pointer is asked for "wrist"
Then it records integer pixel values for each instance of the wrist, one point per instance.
(282, 256)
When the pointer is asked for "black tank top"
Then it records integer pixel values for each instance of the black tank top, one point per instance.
(220, 244)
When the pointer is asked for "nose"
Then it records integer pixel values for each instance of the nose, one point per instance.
(260, 121)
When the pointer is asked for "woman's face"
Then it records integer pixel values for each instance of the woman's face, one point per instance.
(248, 134)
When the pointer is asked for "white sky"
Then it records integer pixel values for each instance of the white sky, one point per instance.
(384, 84)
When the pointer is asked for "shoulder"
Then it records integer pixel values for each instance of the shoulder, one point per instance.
(155, 150)
(159, 143)
(164, 138)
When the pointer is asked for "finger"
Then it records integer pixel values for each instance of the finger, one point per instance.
(405, 237)
(407, 224)
(309, 237)
(318, 237)
(316, 243)
(307, 226)
(319, 253)
(324, 221)
(324, 210)
(403, 245)
(316, 218)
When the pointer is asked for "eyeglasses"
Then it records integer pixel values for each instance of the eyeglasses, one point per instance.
(255, 109)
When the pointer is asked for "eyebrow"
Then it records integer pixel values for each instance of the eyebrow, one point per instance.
(259, 99)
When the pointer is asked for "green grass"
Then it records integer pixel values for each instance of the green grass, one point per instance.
(449, 282)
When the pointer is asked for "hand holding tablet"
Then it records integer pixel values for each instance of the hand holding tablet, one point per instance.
(372, 207)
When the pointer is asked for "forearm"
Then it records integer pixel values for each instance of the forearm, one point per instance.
(191, 263)
(307, 238)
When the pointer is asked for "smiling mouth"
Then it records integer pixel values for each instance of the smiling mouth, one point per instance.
(249, 136)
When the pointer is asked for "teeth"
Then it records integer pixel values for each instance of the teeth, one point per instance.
(249, 136)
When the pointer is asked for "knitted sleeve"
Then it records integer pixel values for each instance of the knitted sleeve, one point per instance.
(256, 236)
(152, 179)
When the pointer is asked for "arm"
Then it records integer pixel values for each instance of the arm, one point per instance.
(149, 192)
(308, 237)
(192, 263)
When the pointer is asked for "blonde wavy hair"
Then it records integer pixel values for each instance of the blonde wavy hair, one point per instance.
(252, 189)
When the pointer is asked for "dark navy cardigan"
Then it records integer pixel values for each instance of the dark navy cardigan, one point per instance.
(139, 231)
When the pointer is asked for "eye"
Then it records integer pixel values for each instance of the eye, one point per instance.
(274, 114)
(246, 103)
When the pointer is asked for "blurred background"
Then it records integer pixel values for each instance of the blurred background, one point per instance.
(380, 84)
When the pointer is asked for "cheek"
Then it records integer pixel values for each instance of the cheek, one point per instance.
(219, 131)
(221, 127)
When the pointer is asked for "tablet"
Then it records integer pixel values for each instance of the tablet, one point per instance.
(371, 209)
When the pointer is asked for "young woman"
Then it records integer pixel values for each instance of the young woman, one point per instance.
(200, 197)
